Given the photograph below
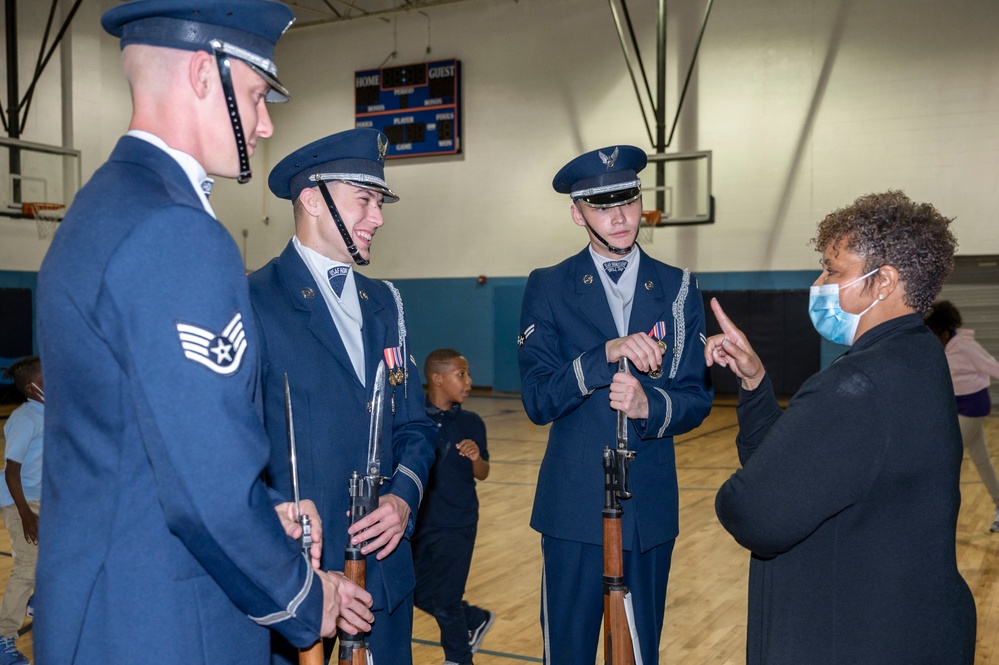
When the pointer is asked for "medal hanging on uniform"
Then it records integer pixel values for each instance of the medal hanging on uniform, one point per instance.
(658, 333)
(394, 361)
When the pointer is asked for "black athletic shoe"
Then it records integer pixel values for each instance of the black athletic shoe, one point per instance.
(476, 634)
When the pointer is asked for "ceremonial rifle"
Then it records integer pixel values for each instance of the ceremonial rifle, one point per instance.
(363, 500)
(314, 654)
(620, 636)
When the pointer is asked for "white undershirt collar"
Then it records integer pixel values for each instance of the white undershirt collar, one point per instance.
(192, 167)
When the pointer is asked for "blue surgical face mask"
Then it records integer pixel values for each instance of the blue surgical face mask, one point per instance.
(829, 318)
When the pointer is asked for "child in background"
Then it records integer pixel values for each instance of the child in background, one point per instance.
(972, 370)
(449, 515)
(20, 495)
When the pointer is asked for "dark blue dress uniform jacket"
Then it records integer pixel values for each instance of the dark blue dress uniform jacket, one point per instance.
(159, 535)
(330, 410)
(565, 377)
(848, 501)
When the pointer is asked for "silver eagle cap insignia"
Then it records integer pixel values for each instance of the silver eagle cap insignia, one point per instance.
(609, 161)
(382, 147)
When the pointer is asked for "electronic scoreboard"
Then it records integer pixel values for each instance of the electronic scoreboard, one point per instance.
(417, 106)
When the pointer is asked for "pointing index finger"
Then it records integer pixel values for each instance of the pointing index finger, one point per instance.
(726, 323)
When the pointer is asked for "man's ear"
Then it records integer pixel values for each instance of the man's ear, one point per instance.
(312, 201)
(577, 215)
(202, 73)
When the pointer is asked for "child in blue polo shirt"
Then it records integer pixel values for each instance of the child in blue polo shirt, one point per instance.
(448, 517)
(20, 495)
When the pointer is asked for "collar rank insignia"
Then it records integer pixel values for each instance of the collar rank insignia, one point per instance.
(221, 352)
(609, 161)
(522, 337)
(382, 147)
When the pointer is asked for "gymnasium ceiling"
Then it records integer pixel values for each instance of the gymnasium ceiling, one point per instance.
(317, 12)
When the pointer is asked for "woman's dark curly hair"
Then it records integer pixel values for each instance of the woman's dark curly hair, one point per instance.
(890, 230)
(943, 317)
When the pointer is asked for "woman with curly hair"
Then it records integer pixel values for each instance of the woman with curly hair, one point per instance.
(971, 370)
(848, 499)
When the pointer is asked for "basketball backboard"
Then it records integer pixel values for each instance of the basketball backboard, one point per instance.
(684, 193)
(36, 176)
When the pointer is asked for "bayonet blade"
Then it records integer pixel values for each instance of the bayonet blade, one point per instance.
(292, 452)
(289, 419)
(375, 430)
(622, 418)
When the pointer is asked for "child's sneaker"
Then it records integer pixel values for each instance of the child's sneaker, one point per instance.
(9, 655)
(995, 522)
(476, 634)
(29, 611)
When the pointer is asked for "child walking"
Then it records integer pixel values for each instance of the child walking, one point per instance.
(449, 515)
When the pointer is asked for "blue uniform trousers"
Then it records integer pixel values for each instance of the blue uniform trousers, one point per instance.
(572, 598)
(442, 557)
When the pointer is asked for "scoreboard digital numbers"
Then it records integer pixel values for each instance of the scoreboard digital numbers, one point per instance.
(417, 106)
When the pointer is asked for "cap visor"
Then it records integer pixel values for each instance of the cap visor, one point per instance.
(388, 196)
(278, 93)
(612, 199)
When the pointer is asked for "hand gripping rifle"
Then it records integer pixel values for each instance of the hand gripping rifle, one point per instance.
(314, 654)
(620, 635)
(363, 500)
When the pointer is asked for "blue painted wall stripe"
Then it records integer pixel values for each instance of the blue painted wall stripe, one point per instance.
(482, 320)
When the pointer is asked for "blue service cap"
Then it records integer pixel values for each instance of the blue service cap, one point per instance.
(603, 178)
(242, 29)
(355, 156)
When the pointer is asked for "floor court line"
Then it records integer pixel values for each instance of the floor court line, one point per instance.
(486, 652)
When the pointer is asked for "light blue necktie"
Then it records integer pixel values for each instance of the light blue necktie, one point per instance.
(338, 276)
(615, 269)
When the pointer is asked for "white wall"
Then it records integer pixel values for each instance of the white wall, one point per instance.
(805, 105)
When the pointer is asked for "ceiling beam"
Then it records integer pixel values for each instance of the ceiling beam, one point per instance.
(381, 13)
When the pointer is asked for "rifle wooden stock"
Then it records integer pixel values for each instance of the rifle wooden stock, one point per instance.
(352, 648)
(356, 571)
(618, 648)
(313, 655)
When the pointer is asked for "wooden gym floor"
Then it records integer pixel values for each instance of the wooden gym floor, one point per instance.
(706, 602)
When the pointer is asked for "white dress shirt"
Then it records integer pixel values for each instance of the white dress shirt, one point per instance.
(194, 170)
(345, 309)
(621, 295)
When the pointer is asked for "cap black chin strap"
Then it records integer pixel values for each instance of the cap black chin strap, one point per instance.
(610, 248)
(341, 227)
(237, 126)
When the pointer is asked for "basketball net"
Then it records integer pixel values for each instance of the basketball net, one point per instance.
(47, 217)
(648, 222)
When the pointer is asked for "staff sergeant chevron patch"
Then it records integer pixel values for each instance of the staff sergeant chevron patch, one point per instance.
(220, 352)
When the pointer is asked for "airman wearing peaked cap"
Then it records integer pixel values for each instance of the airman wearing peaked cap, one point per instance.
(162, 543)
(328, 326)
(245, 30)
(609, 302)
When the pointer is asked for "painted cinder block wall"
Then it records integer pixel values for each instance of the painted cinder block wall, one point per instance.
(805, 105)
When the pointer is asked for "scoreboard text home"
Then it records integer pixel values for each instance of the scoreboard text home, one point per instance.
(417, 106)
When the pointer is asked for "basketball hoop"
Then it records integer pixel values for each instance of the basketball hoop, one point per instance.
(47, 217)
(649, 221)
